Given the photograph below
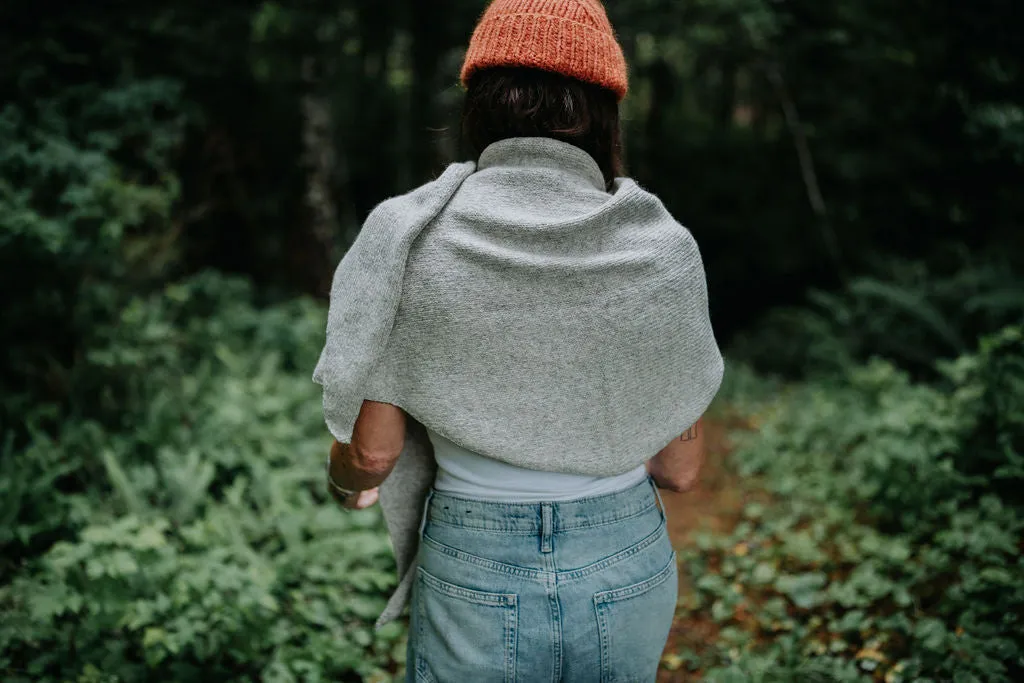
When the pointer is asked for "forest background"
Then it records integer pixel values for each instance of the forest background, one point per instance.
(178, 181)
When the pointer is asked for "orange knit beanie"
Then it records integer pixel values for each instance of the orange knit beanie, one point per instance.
(570, 37)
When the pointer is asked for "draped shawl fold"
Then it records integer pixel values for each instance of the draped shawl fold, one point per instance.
(524, 312)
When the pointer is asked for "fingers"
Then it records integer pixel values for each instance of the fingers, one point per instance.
(364, 500)
(361, 501)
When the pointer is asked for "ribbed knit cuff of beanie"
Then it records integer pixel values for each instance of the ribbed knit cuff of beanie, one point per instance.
(570, 37)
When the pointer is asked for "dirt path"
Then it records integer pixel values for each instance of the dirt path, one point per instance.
(714, 505)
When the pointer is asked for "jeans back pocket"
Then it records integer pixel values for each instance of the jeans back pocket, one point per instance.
(464, 634)
(634, 623)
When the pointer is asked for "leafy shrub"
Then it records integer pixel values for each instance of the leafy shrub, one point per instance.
(891, 546)
(909, 313)
(195, 538)
(85, 201)
(161, 507)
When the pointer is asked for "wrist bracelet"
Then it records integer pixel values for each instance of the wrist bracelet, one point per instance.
(330, 482)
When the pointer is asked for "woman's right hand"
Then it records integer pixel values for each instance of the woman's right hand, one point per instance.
(358, 500)
(363, 499)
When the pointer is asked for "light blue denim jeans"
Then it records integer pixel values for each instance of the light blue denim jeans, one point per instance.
(581, 591)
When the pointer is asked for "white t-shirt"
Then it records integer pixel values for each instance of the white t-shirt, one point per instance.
(464, 473)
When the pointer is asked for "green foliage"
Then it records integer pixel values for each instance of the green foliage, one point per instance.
(85, 200)
(162, 515)
(909, 313)
(196, 538)
(889, 546)
(161, 507)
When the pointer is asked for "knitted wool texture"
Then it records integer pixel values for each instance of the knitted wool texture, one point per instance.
(517, 308)
(570, 37)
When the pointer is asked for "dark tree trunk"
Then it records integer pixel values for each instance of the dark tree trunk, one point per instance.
(318, 159)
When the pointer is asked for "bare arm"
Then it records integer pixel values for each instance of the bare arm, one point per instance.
(364, 464)
(677, 466)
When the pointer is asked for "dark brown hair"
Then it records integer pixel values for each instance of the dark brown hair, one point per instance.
(506, 102)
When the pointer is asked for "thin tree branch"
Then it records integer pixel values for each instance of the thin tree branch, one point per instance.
(807, 167)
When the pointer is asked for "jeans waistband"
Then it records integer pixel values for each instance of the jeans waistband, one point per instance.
(445, 508)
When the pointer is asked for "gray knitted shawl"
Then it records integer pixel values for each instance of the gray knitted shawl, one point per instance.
(522, 311)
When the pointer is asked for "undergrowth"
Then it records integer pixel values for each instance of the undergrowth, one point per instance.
(191, 538)
(889, 545)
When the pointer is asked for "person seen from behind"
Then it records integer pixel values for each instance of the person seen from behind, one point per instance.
(519, 354)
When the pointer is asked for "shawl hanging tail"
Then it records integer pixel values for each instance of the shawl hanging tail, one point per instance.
(365, 294)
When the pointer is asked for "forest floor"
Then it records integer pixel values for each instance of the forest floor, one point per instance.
(715, 505)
